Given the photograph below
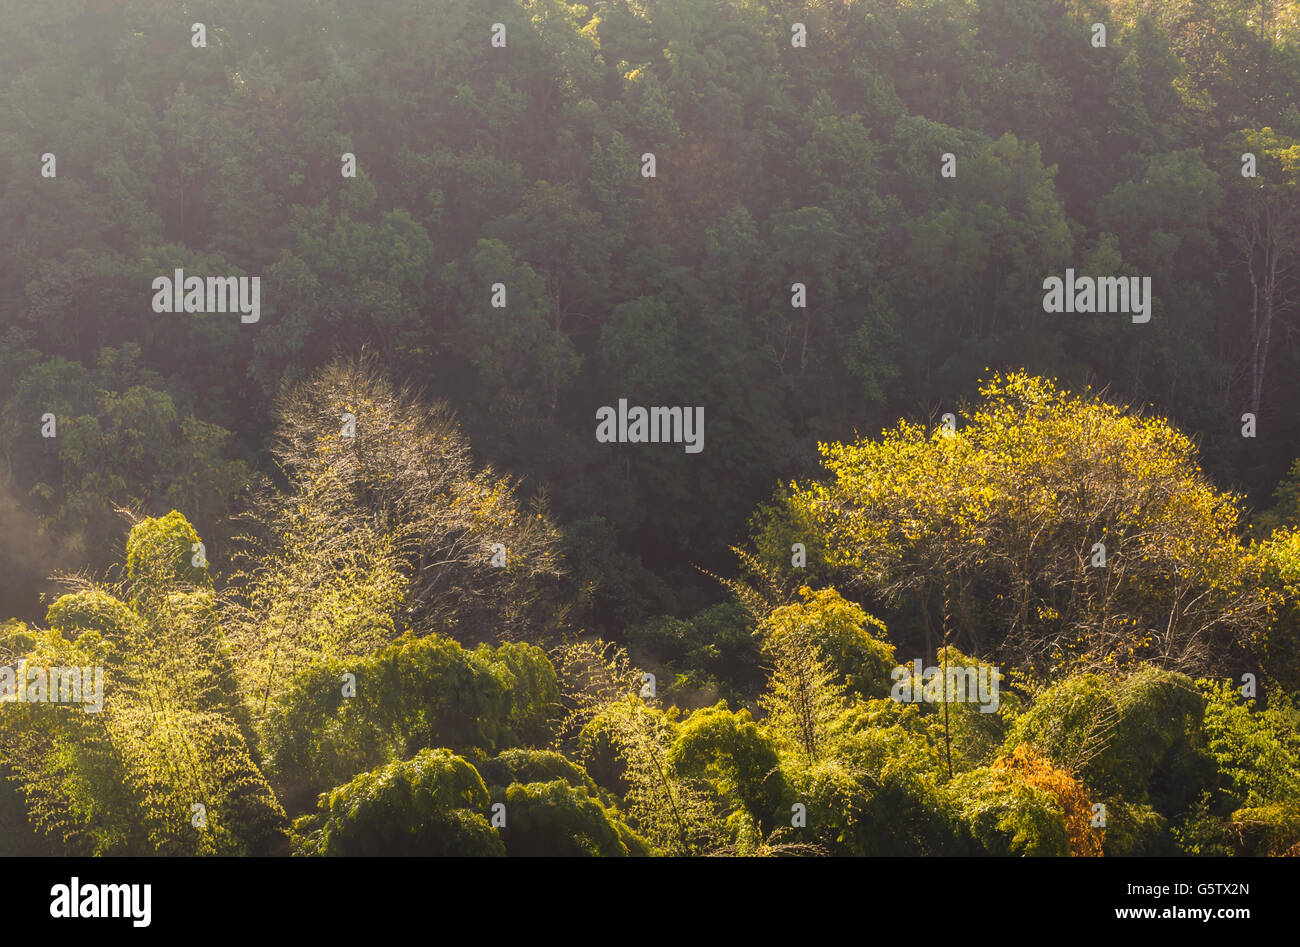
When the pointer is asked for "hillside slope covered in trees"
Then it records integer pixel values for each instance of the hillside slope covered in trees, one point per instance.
(359, 573)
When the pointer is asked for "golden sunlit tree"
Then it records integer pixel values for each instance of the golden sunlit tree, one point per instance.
(388, 525)
(1051, 529)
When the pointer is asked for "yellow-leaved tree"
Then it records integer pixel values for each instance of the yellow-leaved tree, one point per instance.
(1076, 804)
(1049, 529)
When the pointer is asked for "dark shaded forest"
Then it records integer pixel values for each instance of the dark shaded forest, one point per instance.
(364, 579)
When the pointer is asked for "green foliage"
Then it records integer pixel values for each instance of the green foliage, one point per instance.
(610, 587)
(972, 729)
(125, 777)
(826, 166)
(432, 804)
(1257, 751)
(122, 441)
(1257, 755)
(879, 796)
(532, 688)
(1286, 501)
(1006, 816)
(1279, 651)
(520, 356)
(1137, 829)
(671, 810)
(368, 554)
(861, 660)
(713, 653)
(81, 616)
(521, 765)
(160, 553)
(805, 702)
(418, 693)
(598, 749)
(1138, 738)
(557, 819)
(729, 752)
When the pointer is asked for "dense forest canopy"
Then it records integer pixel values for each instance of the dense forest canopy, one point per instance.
(826, 227)
(521, 165)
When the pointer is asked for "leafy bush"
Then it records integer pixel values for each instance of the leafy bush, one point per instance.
(432, 804)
